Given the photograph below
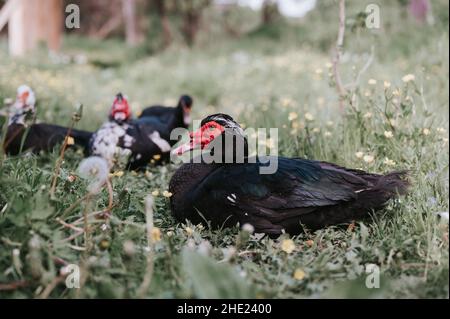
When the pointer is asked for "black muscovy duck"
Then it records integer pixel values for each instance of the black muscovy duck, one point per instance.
(301, 193)
(23, 135)
(127, 142)
(179, 116)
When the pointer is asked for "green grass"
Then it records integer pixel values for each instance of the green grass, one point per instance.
(260, 80)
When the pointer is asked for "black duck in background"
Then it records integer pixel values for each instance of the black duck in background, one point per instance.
(22, 136)
(130, 143)
(179, 116)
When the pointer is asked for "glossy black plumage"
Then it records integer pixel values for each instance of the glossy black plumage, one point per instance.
(300, 193)
(174, 116)
(41, 137)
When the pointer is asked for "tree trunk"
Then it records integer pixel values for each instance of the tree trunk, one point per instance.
(269, 11)
(33, 21)
(131, 28)
(165, 25)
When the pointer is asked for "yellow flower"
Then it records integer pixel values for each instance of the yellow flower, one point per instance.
(359, 155)
(368, 159)
(148, 174)
(368, 115)
(327, 134)
(328, 65)
(292, 116)
(387, 84)
(299, 274)
(426, 131)
(441, 130)
(70, 140)
(286, 102)
(189, 231)
(445, 140)
(389, 162)
(388, 134)
(330, 123)
(367, 93)
(167, 194)
(392, 122)
(316, 130)
(169, 233)
(372, 82)
(319, 71)
(309, 117)
(157, 157)
(155, 234)
(118, 174)
(288, 246)
(408, 78)
(155, 193)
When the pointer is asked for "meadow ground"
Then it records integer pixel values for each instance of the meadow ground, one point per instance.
(277, 77)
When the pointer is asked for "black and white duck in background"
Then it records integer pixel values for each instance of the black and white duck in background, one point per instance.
(301, 193)
(24, 135)
(178, 116)
(127, 142)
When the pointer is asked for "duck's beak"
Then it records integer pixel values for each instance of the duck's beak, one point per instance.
(200, 138)
(195, 142)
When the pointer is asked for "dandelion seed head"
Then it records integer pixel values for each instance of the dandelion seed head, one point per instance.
(95, 170)
(248, 228)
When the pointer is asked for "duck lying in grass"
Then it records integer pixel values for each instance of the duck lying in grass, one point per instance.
(300, 193)
(128, 142)
(24, 135)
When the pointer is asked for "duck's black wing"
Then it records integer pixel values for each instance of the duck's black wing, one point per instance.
(162, 113)
(299, 192)
(42, 137)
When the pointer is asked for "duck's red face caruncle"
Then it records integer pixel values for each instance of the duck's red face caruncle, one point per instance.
(201, 138)
(120, 110)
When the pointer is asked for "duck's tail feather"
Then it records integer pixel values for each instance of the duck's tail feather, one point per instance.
(387, 187)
